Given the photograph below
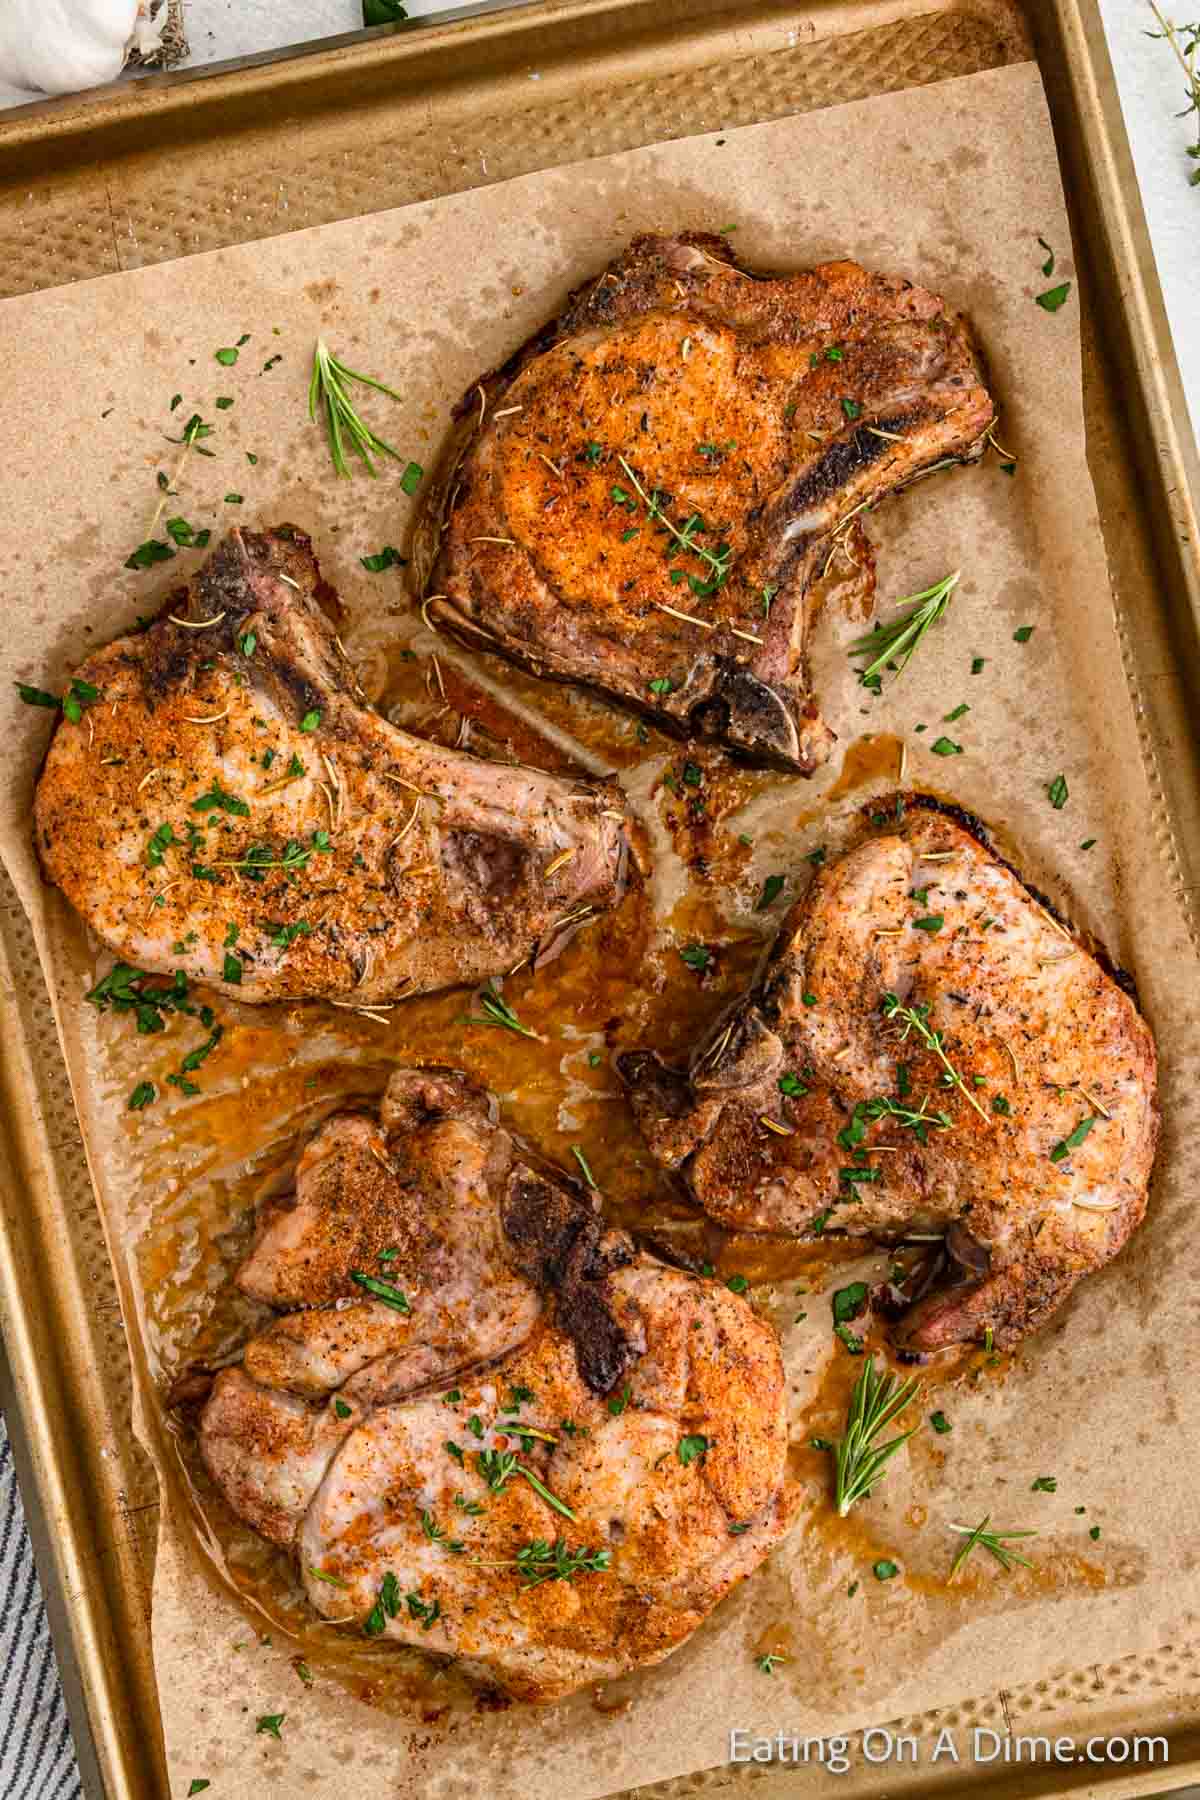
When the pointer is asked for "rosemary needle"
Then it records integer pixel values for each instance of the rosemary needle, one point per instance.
(997, 1543)
(876, 1401)
(329, 390)
(896, 641)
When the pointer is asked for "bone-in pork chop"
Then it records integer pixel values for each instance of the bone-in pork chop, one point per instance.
(925, 1052)
(491, 1428)
(231, 806)
(641, 500)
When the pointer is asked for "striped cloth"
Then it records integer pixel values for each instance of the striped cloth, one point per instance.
(37, 1757)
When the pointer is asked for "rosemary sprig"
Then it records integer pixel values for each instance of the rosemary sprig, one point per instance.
(1185, 42)
(497, 1466)
(718, 560)
(997, 1543)
(916, 1018)
(496, 1011)
(876, 1401)
(895, 642)
(329, 390)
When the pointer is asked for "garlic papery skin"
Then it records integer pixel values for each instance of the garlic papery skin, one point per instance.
(60, 46)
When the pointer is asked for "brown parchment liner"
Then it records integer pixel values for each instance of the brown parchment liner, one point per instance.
(951, 184)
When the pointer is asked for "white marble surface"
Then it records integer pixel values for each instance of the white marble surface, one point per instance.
(1152, 92)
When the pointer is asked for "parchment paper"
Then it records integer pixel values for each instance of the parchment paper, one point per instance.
(950, 184)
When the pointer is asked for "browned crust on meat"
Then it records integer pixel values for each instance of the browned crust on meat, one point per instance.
(526, 546)
(1029, 1016)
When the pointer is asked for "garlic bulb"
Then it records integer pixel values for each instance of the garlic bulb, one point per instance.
(59, 46)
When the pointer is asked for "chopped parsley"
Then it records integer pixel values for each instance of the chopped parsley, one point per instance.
(1044, 1484)
(387, 558)
(285, 935)
(182, 533)
(1072, 1141)
(696, 956)
(944, 746)
(157, 845)
(692, 1449)
(268, 1722)
(143, 1095)
(1053, 297)
(154, 550)
(216, 798)
(311, 720)
(411, 477)
(848, 1302)
(773, 886)
(940, 1423)
(1023, 633)
(884, 1570)
(1058, 793)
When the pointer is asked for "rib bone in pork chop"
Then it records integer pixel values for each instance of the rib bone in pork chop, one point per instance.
(231, 806)
(466, 1340)
(642, 498)
(924, 1052)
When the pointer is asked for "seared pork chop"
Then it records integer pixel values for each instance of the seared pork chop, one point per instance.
(643, 497)
(553, 1464)
(925, 1052)
(231, 806)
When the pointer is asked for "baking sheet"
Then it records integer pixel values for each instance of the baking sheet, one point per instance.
(390, 293)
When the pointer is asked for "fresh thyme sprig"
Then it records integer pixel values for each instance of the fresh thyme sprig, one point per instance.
(914, 1119)
(877, 1400)
(497, 1466)
(916, 1018)
(329, 390)
(997, 1543)
(1185, 42)
(497, 1011)
(258, 857)
(896, 641)
(539, 1561)
(718, 560)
